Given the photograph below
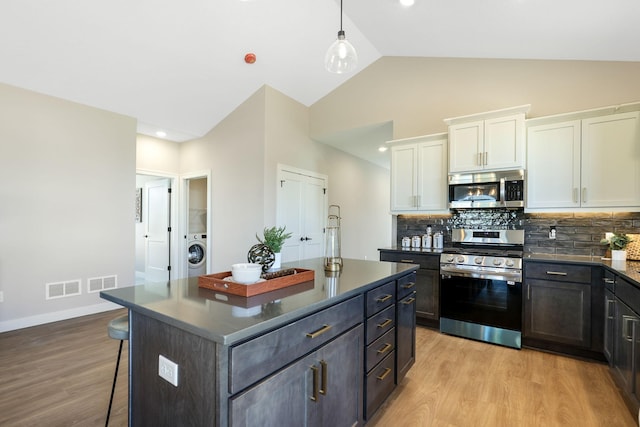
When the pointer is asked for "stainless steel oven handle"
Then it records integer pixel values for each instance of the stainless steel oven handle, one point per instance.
(506, 276)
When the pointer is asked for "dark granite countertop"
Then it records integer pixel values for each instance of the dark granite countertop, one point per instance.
(628, 269)
(227, 319)
(412, 250)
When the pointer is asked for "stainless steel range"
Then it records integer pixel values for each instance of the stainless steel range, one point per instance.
(481, 287)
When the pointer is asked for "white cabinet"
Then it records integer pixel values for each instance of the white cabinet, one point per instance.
(487, 141)
(419, 174)
(588, 163)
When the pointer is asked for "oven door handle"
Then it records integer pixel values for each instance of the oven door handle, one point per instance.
(506, 276)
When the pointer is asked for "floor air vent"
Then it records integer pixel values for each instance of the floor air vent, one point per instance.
(97, 284)
(63, 289)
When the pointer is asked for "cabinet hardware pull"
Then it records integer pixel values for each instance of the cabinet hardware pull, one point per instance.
(609, 281)
(528, 292)
(320, 331)
(407, 260)
(486, 158)
(384, 298)
(385, 348)
(323, 384)
(556, 273)
(409, 301)
(314, 396)
(409, 285)
(479, 159)
(575, 195)
(608, 313)
(584, 194)
(386, 372)
(625, 327)
(385, 323)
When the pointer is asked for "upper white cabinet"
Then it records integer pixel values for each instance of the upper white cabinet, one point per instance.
(592, 162)
(419, 174)
(489, 141)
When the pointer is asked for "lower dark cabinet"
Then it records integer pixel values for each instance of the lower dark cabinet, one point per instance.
(428, 294)
(558, 312)
(427, 282)
(405, 335)
(322, 389)
(609, 325)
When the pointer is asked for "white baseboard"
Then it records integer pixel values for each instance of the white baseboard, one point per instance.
(41, 319)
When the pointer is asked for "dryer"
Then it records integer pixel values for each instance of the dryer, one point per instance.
(197, 254)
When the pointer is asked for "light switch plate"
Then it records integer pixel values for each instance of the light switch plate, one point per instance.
(168, 370)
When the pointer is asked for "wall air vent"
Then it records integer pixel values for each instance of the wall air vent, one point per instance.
(97, 284)
(63, 289)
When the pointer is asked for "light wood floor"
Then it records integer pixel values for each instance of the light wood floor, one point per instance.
(60, 375)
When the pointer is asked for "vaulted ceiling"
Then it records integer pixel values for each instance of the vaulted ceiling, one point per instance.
(179, 65)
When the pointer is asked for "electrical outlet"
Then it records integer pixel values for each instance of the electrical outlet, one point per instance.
(168, 370)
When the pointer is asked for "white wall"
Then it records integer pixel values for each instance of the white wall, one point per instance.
(360, 188)
(66, 204)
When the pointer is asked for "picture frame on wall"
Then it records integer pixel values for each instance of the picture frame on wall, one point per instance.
(138, 204)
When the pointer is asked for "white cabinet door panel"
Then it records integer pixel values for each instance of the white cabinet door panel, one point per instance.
(466, 145)
(553, 165)
(403, 178)
(432, 176)
(611, 161)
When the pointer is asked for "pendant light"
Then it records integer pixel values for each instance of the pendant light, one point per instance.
(341, 56)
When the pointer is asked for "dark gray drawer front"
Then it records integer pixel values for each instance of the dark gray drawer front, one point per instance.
(558, 272)
(380, 348)
(381, 297)
(429, 261)
(628, 294)
(255, 359)
(405, 285)
(379, 324)
(380, 383)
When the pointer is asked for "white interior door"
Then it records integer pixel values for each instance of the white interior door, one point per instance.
(302, 202)
(157, 210)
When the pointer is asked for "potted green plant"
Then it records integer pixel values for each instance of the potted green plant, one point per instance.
(618, 243)
(274, 238)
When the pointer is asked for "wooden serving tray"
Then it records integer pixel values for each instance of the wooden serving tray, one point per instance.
(216, 282)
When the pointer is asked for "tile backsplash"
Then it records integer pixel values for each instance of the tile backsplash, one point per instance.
(576, 233)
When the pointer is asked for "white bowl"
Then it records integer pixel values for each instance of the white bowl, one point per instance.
(246, 273)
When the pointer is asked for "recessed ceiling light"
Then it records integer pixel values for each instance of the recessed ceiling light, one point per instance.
(407, 3)
(382, 149)
(161, 134)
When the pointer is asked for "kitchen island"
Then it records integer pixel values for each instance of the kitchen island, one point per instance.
(301, 355)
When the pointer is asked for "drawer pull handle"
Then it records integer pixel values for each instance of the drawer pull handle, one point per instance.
(386, 372)
(409, 285)
(409, 301)
(385, 323)
(385, 348)
(323, 384)
(325, 328)
(556, 273)
(609, 281)
(384, 298)
(410, 261)
(314, 396)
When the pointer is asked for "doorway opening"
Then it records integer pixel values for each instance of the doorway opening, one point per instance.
(196, 207)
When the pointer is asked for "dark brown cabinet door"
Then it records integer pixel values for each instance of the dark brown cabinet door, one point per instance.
(324, 388)
(609, 325)
(428, 294)
(558, 312)
(405, 335)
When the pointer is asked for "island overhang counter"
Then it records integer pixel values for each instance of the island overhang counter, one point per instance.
(296, 353)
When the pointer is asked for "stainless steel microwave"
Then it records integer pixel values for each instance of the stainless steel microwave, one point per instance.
(502, 189)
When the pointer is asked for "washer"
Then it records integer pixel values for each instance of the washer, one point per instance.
(197, 254)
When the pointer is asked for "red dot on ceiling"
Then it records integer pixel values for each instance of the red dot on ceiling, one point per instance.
(250, 58)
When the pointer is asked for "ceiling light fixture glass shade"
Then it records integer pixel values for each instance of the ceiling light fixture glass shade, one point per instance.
(341, 56)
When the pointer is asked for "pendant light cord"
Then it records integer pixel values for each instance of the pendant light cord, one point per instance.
(340, 15)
